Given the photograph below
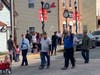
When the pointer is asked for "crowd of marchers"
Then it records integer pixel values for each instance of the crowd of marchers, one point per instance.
(41, 43)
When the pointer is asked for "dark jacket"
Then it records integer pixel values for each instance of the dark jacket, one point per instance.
(29, 37)
(54, 39)
(86, 42)
(10, 44)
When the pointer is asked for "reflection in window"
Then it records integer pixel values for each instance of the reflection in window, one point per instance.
(31, 3)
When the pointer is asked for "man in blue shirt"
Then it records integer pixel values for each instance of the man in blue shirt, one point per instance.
(25, 47)
(68, 50)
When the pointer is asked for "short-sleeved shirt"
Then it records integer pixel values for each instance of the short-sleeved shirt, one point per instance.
(45, 44)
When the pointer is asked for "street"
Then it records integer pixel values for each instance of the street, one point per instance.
(33, 26)
(57, 63)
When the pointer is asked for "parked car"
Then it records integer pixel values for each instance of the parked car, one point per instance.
(92, 40)
(96, 34)
(78, 46)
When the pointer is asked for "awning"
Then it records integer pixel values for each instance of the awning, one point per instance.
(2, 24)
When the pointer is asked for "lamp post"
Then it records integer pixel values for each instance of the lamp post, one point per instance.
(66, 15)
(75, 4)
(12, 17)
(43, 25)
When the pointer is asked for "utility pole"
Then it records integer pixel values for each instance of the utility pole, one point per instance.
(15, 33)
(12, 21)
(12, 17)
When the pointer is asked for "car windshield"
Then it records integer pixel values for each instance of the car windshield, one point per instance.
(90, 36)
(79, 36)
(96, 33)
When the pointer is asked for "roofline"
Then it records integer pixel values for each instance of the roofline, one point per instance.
(6, 3)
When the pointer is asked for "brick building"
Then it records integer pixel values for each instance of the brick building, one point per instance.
(70, 6)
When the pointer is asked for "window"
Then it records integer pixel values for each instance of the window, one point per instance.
(31, 3)
(70, 14)
(31, 29)
(70, 3)
(64, 3)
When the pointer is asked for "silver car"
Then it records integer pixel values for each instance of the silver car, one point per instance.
(96, 34)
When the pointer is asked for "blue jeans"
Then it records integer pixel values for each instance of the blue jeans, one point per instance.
(17, 57)
(24, 57)
(54, 47)
(44, 56)
(85, 54)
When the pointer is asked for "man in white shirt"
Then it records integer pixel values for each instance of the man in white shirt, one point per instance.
(34, 41)
(24, 47)
(45, 51)
(59, 34)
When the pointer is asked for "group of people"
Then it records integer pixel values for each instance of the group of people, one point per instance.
(69, 42)
(47, 46)
(13, 50)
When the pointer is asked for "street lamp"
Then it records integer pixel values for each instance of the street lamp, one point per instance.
(75, 4)
(66, 15)
(43, 25)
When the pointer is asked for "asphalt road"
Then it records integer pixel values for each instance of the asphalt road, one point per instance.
(93, 68)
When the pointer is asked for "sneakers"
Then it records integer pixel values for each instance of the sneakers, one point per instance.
(64, 68)
(72, 67)
(41, 67)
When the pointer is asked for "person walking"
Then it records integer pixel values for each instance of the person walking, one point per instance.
(85, 47)
(29, 36)
(24, 47)
(68, 50)
(17, 53)
(45, 51)
(59, 34)
(34, 41)
(10, 45)
(54, 43)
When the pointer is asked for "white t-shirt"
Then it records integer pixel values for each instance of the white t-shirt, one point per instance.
(34, 39)
(45, 44)
(59, 34)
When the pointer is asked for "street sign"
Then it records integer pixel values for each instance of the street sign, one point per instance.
(42, 15)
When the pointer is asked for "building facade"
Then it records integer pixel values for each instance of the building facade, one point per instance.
(88, 13)
(72, 19)
(29, 17)
(98, 13)
(86, 18)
